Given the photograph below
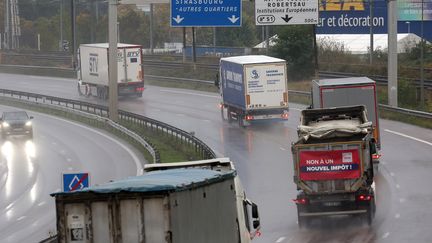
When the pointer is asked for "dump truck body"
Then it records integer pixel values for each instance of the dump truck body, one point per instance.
(333, 167)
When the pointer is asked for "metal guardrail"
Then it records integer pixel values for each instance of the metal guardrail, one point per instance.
(179, 135)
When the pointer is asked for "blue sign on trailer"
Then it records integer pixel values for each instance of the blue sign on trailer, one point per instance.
(205, 13)
(75, 181)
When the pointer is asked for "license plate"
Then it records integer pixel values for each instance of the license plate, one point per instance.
(332, 204)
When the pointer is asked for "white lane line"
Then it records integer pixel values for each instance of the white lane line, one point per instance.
(296, 109)
(386, 235)
(206, 120)
(41, 203)
(284, 149)
(21, 218)
(180, 114)
(189, 93)
(406, 136)
(69, 159)
(397, 186)
(397, 216)
(402, 200)
(280, 239)
(139, 166)
(392, 174)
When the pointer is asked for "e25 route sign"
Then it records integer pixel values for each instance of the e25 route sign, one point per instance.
(205, 13)
(75, 181)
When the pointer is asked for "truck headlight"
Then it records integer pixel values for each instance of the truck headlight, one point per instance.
(29, 123)
(5, 124)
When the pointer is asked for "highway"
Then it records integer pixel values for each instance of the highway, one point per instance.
(31, 170)
(263, 159)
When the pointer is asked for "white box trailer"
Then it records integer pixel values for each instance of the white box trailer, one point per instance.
(253, 88)
(93, 70)
(176, 203)
(350, 91)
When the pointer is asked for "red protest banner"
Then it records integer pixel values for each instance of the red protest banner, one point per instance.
(329, 165)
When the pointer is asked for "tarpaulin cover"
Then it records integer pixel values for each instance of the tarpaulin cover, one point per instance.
(160, 181)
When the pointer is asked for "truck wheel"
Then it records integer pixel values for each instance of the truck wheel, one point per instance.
(370, 213)
(79, 90)
(104, 93)
(229, 115)
(222, 112)
(303, 222)
(241, 121)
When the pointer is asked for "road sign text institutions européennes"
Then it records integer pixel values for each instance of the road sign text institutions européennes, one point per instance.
(286, 12)
(205, 13)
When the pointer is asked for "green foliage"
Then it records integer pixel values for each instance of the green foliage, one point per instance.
(295, 45)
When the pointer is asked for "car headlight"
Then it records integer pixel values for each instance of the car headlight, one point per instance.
(5, 124)
(29, 123)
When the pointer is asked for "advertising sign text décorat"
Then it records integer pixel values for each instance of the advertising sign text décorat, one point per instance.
(329, 165)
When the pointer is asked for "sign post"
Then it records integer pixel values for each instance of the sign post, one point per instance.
(75, 181)
(288, 12)
(205, 13)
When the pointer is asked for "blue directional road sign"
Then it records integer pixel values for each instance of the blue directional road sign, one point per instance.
(205, 13)
(75, 181)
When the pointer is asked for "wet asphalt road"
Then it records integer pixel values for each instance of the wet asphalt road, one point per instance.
(262, 156)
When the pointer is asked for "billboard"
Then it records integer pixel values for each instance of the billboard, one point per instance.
(412, 10)
(353, 17)
(329, 165)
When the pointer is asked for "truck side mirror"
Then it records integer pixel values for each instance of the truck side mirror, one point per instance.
(255, 214)
(217, 82)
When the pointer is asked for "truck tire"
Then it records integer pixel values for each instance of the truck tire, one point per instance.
(303, 222)
(229, 115)
(369, 216)
(104, 93)
(241, 121)
(222, 112)
(79, 90)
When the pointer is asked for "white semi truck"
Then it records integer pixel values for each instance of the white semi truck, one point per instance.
(253, 88)
(93, 70)
(199, 201)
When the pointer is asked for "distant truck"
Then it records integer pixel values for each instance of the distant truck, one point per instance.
(333, 165)
(347, 92)
(93, 70)
(253, 88)
(200, 201)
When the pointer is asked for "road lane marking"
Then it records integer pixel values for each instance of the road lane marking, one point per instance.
(407, 136)
(392, 174)
(206, 120)
(41, 203)
(280, 239)
(402, 200)
(397, 216)
(189, 93)
(397, 186)
(386, 235)
(283, 149)
(69, 159)
(139, 166)
(21, 218)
